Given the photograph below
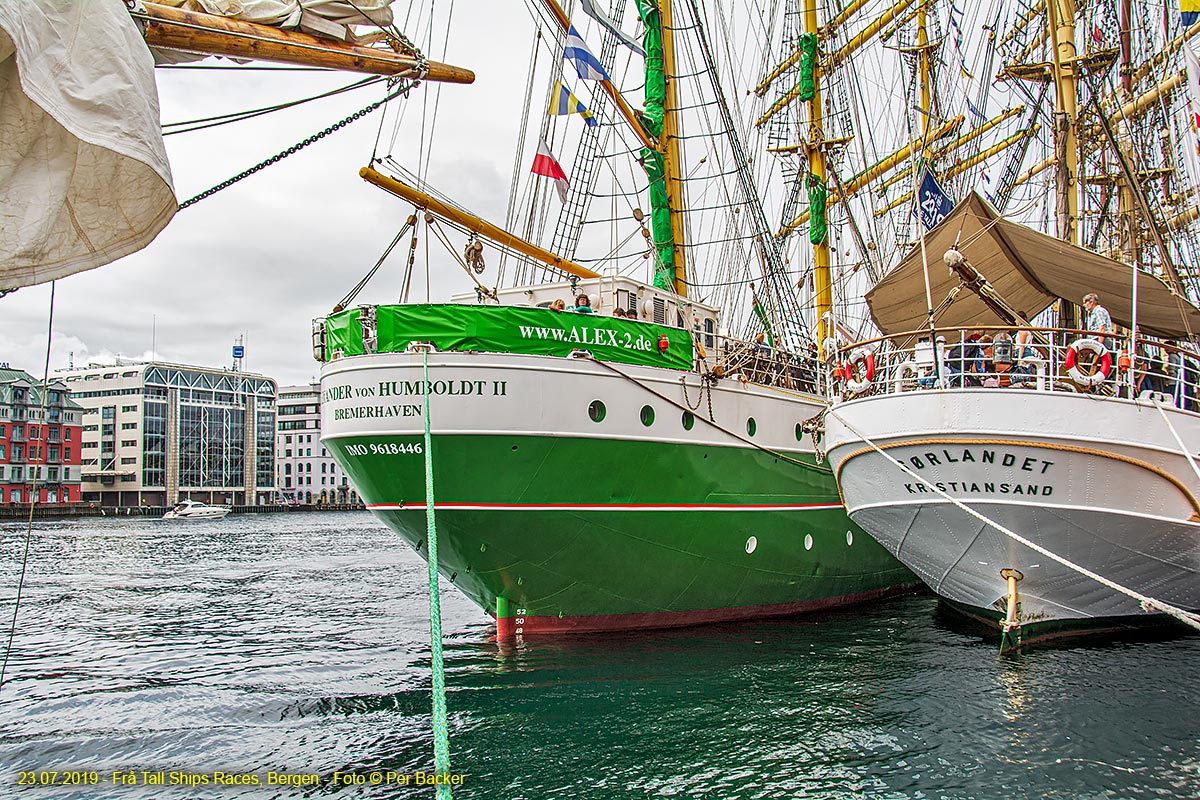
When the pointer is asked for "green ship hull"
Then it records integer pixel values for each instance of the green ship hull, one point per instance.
(553, 534)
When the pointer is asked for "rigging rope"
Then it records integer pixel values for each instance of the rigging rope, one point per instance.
(411, 222)
(441, 734)
(188, 126)
(1147, 602)
(713, 423)
(12, 630)
(405, 87)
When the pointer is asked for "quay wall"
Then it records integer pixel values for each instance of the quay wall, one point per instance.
(20, 511)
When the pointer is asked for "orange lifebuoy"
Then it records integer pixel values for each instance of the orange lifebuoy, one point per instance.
(1101, 365)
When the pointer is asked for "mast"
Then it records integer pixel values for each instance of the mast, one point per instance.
(1060, 21)
(1126, 211)
(925, 77)
(670, 145)
(818, 232)
(655, 119)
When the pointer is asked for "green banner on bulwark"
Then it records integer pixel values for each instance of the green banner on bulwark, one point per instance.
(499, 329)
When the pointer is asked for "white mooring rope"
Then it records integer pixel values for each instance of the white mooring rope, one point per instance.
(1146, 601)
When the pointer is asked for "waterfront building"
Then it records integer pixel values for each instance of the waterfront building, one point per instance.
(155, 433)
(39, 441)
(306, 472)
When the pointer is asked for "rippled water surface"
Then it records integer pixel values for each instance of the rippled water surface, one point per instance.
(298, 643)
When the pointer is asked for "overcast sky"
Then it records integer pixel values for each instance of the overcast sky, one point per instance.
(266, 256)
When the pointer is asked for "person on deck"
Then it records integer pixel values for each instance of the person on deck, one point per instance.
(558, 305)
(583, 305)
(1098, 318)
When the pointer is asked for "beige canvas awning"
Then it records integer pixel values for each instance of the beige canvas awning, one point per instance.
(1028, 269)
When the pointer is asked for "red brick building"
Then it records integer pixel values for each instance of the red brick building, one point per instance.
(40, 443)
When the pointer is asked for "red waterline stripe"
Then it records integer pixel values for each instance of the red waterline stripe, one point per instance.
(603, 506)
(507, 627)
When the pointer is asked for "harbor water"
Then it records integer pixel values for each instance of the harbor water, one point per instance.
(297, 645)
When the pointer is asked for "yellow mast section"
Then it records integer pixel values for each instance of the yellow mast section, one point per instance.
(473, 223)
(822, 281)
(1060, 20)
(838, 57)
(671, 155)
(861, 179)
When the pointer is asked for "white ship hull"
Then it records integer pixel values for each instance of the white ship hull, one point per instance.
(1100, 482)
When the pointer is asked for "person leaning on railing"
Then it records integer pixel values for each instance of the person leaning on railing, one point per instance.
(1098, 318)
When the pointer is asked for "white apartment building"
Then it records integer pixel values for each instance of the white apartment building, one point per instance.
(155, 433)
(305, 472)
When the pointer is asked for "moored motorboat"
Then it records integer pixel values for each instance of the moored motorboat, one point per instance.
(192, 509)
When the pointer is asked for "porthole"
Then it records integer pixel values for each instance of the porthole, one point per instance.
(808, 542)
(751, 544)
(597, 411)
(689, 420)
(647, 416)
(799, 432)
(751, 426)
(849, 538)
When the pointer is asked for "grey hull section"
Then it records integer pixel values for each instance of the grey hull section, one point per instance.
(1158, 557)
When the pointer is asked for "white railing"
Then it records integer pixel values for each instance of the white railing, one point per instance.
(1039, 359)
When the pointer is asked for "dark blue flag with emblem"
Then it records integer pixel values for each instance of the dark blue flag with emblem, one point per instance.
(932, 203)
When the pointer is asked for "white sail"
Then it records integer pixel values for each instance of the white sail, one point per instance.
(84, 178)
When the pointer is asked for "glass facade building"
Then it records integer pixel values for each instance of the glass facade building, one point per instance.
(156, 433)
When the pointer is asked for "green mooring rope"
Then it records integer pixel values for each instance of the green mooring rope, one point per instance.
(441, 735)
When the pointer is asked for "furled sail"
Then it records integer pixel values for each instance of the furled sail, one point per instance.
(84, 178)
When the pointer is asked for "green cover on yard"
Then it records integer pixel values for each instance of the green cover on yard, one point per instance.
(503, 329)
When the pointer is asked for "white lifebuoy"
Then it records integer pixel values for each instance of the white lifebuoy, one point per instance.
(864, 356)
(906, 369)
(829, 348)
(1101, 365)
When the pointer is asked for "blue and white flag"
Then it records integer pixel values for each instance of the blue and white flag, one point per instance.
(932, 203)
(586, 64)
(598, 14)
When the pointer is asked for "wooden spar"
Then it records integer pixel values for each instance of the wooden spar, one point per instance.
(843, 15)
(789, 62)
(965, 165)
(1149, 98)
(909, 16)
(1031, 46)
(1028, 175)
(861, 179)
(473, 223)
(838, 57)
(1019, 25)
(1183, 218)
(966, 138)
(194, 32)
(1138, 197)
(1171, 49)
(671, 154)
(867, 33)
(564, 22)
